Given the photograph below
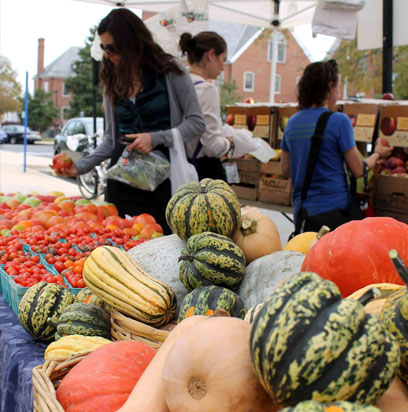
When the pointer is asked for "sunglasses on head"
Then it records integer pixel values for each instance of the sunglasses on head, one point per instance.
(108, 48)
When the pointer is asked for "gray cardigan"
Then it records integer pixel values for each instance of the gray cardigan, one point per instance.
(185, 114)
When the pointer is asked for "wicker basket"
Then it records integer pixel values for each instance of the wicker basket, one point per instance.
(124, 328)
(47, 377)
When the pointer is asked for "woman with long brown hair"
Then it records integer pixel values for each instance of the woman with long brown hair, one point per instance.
(147, 92)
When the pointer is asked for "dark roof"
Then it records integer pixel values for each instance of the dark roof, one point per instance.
(236, 35)
(62, 66)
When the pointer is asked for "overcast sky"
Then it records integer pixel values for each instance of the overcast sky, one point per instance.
(67, 23)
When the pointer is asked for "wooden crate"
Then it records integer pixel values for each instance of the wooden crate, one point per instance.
(248, 170)
(274, 190)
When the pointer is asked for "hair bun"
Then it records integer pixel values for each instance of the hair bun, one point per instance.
(186, 42)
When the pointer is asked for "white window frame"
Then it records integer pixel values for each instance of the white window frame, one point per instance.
(281, 43)
(278, 78)
(64, 91)
(253, 82)
(46, 87)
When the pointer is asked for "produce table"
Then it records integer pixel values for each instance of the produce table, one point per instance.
(19, 354)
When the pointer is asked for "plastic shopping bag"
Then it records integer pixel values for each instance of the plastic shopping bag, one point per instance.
(243, 141)
(142, 171)
(181, 171)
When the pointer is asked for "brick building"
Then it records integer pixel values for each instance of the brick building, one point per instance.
(52, 78)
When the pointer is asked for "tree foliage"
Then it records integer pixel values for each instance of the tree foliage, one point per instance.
(41, 110)
(229, 95)
(10, 89)
(81, 85)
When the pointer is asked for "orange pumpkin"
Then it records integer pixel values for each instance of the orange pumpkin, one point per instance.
(256, 235)
(209, 369)
(356, 254)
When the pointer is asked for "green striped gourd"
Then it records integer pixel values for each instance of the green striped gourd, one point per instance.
(307, 343)
(86, 296)
(208, 205)
(211, 259)
(210, 300)
(342, 406)
(114, 276)
(394, 314)
(40, 308)
(84, 319)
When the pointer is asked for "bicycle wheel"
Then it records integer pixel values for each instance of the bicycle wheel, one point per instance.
(88, 184)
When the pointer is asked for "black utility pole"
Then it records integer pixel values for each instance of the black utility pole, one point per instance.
(387, 45)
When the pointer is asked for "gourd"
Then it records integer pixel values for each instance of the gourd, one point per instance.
(375, 305)
(103, 380)
(211, 259)
(210, 300)
(323, 231)
(356, 253)
(41, 303)
(394, 314)
(303, 242)
(84, 319)
(159, 258)
(114, 276)
(342, 406)
(148, 394)
(256, 235)
(208, 369)
(264, 274)
(73, 345)
(205, 206)
(307, 343)
(252, 312)
(86, 296)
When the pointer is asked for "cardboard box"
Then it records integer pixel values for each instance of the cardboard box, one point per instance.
(259, 121)
(248, 170)
(391, 197)
(236, 116)
(275, 190)
(364, 118)
(393, 124)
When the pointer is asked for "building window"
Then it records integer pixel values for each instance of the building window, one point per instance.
(65, 92)
(281, 48)
(64, 113)
(46, 87)
(249, 81)
(277, 83)
(219, 81)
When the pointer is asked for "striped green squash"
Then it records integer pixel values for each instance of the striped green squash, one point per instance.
(342, 406)
(40, 308)
(209, 300)
(85, 295)
(84, 319)
(211, 259)
(252, 312)
(307, 343)
(394, 314)
(208, 205)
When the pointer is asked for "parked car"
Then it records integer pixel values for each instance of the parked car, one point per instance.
(3, 136)
(78, 129)
(15, 134)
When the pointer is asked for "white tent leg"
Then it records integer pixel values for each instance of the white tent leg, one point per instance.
(274, 35)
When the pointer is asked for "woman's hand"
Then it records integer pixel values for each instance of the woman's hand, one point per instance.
(142, 143)
(71, 172)
(383, 149)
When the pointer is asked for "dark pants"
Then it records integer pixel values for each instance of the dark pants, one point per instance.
(132, 201)
(210, 167)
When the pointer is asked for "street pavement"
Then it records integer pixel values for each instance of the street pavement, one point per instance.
(38, 178)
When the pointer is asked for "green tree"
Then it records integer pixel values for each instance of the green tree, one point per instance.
(400, 86)
(10, 89)
(229, 95)
(81, 84)
(41, 110)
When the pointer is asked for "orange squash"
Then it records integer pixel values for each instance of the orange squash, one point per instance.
(209, 369)
(395, 399)
(148, 394)
(256, 235)
(356, 254)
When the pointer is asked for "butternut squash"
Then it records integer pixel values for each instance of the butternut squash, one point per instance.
(148, 395)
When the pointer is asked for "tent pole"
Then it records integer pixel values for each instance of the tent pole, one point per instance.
(274, 59)
(387, 45)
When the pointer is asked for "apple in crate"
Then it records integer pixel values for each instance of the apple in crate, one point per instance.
(353, 119)
(230, 119)
(251, 122)
(388, 125)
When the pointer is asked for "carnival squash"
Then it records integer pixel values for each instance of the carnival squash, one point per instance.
(264, 274)
(205, 206)
(103, 380)
(252, 312)
(211, 259)
(307, 343)
(342, 406)
(208, 369)
(356, 253)
(148, 393)
(256, 235)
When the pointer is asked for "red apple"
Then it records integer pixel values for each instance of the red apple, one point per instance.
(250, 100)
(353, 119)
(399, 169)
(388, 96)
(230, 119)
(251, 122)
(395, 162)
(388, 125)
(384, 142)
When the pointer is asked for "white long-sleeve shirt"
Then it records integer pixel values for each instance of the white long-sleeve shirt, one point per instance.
(213, 141)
